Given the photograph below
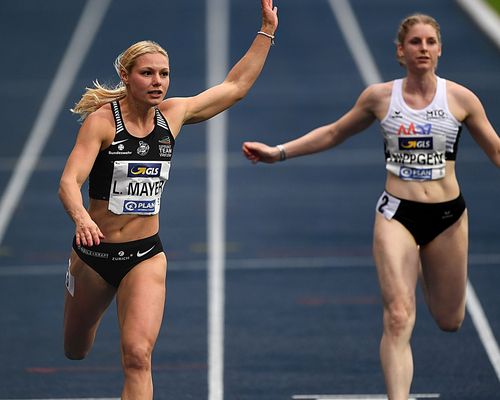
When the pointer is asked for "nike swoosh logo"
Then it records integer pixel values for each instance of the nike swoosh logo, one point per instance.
(140, 254)
(118, 142)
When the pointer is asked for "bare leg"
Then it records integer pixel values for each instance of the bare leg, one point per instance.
(84, 309)
(444, 272)
(397, 260)
(140, 301)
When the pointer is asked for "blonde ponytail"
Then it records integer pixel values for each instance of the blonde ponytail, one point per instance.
(94, 98)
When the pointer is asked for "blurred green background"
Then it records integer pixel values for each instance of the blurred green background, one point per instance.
(495, 4)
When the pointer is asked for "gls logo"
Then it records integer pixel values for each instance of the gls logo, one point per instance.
(415, 143)
(144, 170)
(415, 129)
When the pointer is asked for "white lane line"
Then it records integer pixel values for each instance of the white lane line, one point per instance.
(483, 328)
(242, 264)
(354, 37)
(217, 63)
(361, 52)
(80, 42)
(361, 396)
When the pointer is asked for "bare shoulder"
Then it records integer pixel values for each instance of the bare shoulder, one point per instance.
(99, 125)
(380, 90)
(461, 100)
(458, 91)
(376, 98)
(174, 110)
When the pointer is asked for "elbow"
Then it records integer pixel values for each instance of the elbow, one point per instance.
(495, 157)
(62, 189)
(238, 91)
(240, 94)
(60, 193)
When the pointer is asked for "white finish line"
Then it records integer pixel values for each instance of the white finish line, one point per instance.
(360, 396)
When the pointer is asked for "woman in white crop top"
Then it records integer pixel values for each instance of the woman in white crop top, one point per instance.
(421, 117)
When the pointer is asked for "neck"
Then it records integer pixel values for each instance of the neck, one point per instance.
(424, 83)
(137, 112)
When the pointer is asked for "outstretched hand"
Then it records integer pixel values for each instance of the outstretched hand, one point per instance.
(256, 152)
(269, 16)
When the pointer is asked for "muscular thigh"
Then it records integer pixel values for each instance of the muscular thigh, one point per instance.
(444, 265)
(396, 258)
(90, 297)
(141, 299)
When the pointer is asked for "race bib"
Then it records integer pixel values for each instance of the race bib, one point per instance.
(136, 187)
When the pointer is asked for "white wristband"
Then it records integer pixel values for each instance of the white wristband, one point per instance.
(281, 148)
(267, 35)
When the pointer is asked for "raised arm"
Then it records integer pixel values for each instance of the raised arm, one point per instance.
(238, 81)
(325, 137)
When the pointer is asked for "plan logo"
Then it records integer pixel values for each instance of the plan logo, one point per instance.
(424, 174)
(138, 207)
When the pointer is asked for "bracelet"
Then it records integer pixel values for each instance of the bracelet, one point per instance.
(267, 35)
(281, 148)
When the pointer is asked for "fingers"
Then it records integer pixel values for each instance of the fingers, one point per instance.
(250, 153)
(88, 236)
(269, 14)
(260, 152)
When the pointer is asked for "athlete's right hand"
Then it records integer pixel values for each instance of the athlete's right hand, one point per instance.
(256, 151)
(87, 233)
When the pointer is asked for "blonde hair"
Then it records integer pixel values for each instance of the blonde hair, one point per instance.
(97, 96)
(410, 21)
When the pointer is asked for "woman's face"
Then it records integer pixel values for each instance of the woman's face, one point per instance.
(421, 48)
(149, 78)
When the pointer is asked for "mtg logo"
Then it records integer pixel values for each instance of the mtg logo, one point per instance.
(435, 114)
(415, 143)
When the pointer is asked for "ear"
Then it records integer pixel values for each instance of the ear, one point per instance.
(124, 76)
(399, 51)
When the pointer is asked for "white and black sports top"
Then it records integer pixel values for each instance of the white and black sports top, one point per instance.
(132, 172)
(417, 143)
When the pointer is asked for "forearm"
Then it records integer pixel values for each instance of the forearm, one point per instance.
(246, 71)
(72, 201)
(317, 140)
